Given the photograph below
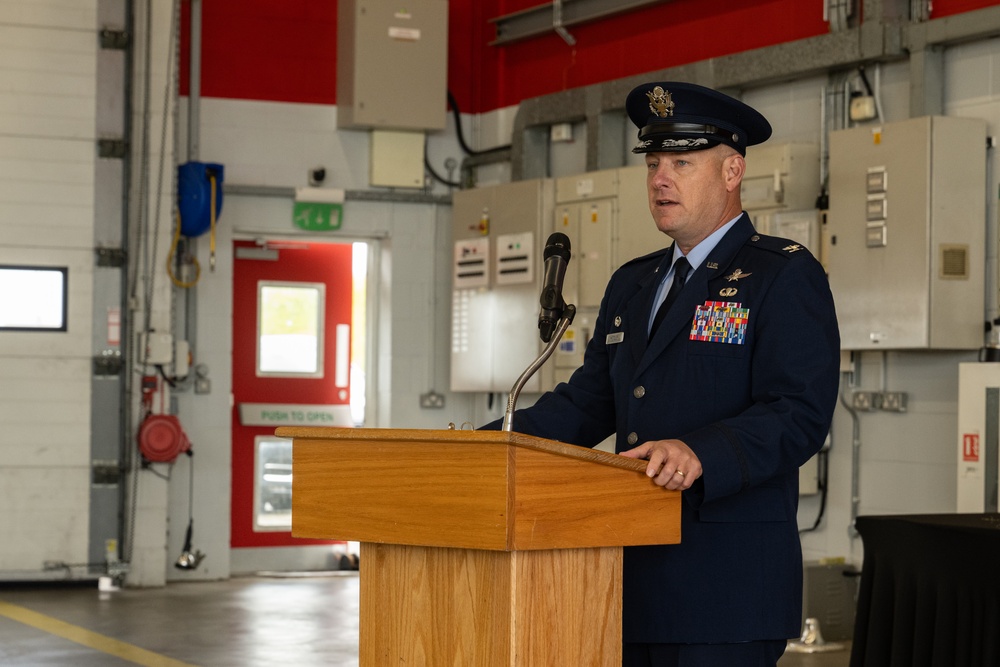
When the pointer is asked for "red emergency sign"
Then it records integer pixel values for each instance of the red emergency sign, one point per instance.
(970, 447)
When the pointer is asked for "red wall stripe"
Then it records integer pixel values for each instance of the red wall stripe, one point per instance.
(666, 35)
(264, 50)
(286, 51)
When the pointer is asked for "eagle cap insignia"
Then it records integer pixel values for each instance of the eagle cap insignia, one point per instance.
(737, 275)
(660, 102)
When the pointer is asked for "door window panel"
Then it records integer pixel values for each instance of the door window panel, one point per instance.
(290, 329)
(272, 484)
(359, 330)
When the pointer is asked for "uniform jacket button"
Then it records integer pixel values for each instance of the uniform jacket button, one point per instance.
(639, 391)
(633, 438)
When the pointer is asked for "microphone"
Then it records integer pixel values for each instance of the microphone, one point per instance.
(556, 257)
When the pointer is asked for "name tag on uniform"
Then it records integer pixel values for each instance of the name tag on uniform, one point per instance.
(614, 338)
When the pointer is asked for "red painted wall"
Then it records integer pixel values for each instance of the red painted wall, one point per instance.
(286, 51)
(661, 36)
(264, 50)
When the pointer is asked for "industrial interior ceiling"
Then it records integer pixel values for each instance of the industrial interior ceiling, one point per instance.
(883, 37)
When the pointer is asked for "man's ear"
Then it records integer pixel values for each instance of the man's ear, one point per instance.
(734, 167)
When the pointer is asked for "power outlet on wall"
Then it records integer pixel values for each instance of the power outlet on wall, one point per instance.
(432, 399)
(894, 401)
(865, 401)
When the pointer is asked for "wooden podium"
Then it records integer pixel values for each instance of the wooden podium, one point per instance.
(479, 548)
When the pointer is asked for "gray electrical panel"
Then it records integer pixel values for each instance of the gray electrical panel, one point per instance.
(606, 216)
(779, 191)
(781, 176)
(584, 212)
(499, 234)
(496, 273)
(392, 64)
(906, 230)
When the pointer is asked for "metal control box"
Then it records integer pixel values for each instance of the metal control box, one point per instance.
(781, 177)
(606, 216)
(496, 272)
(906, 228)
(779, 191)
(392, 64)
(583, 212)
(499, 234)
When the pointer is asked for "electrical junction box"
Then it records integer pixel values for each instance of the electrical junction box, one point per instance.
(155, 348)
(496, 283)
(397, 159)
(392, 64)
(499, 235)
(606, 216)
(781, 177)
(779, 191)
(906, 228)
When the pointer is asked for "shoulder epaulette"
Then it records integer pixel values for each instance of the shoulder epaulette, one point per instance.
(778, 245)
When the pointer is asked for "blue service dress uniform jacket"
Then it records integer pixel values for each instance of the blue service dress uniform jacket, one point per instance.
(745, 370)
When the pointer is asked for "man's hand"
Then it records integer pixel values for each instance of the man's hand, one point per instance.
(672, 464)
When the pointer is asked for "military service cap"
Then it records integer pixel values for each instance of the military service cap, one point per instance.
(675, 116)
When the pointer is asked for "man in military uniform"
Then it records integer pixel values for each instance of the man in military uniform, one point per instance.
(716, 360)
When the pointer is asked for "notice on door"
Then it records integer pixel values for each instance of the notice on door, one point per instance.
(278, 414)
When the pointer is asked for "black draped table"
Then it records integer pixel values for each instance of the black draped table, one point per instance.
(930, 591)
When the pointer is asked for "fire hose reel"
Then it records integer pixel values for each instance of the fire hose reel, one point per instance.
(162, 439)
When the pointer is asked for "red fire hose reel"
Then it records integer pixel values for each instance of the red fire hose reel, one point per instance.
(161, 438)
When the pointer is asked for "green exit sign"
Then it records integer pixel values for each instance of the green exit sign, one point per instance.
(317, 216)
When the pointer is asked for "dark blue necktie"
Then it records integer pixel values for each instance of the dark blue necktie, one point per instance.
(681, 271)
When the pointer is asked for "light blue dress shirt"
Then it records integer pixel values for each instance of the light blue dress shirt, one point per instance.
(695, 258)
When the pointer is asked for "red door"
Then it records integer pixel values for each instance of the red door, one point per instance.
(291, 365)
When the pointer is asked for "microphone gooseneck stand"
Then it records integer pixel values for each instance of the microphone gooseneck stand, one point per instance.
(569, 312)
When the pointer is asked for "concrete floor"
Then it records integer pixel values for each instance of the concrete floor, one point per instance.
(243, 622)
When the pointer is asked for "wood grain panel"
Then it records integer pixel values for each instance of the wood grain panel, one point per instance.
(568, 606)
(480, 549)
(426, 493)
(574, 503)
(433, 607)
(472, 489)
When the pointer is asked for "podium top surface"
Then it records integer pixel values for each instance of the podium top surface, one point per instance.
(460, 436)
(493, 490)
